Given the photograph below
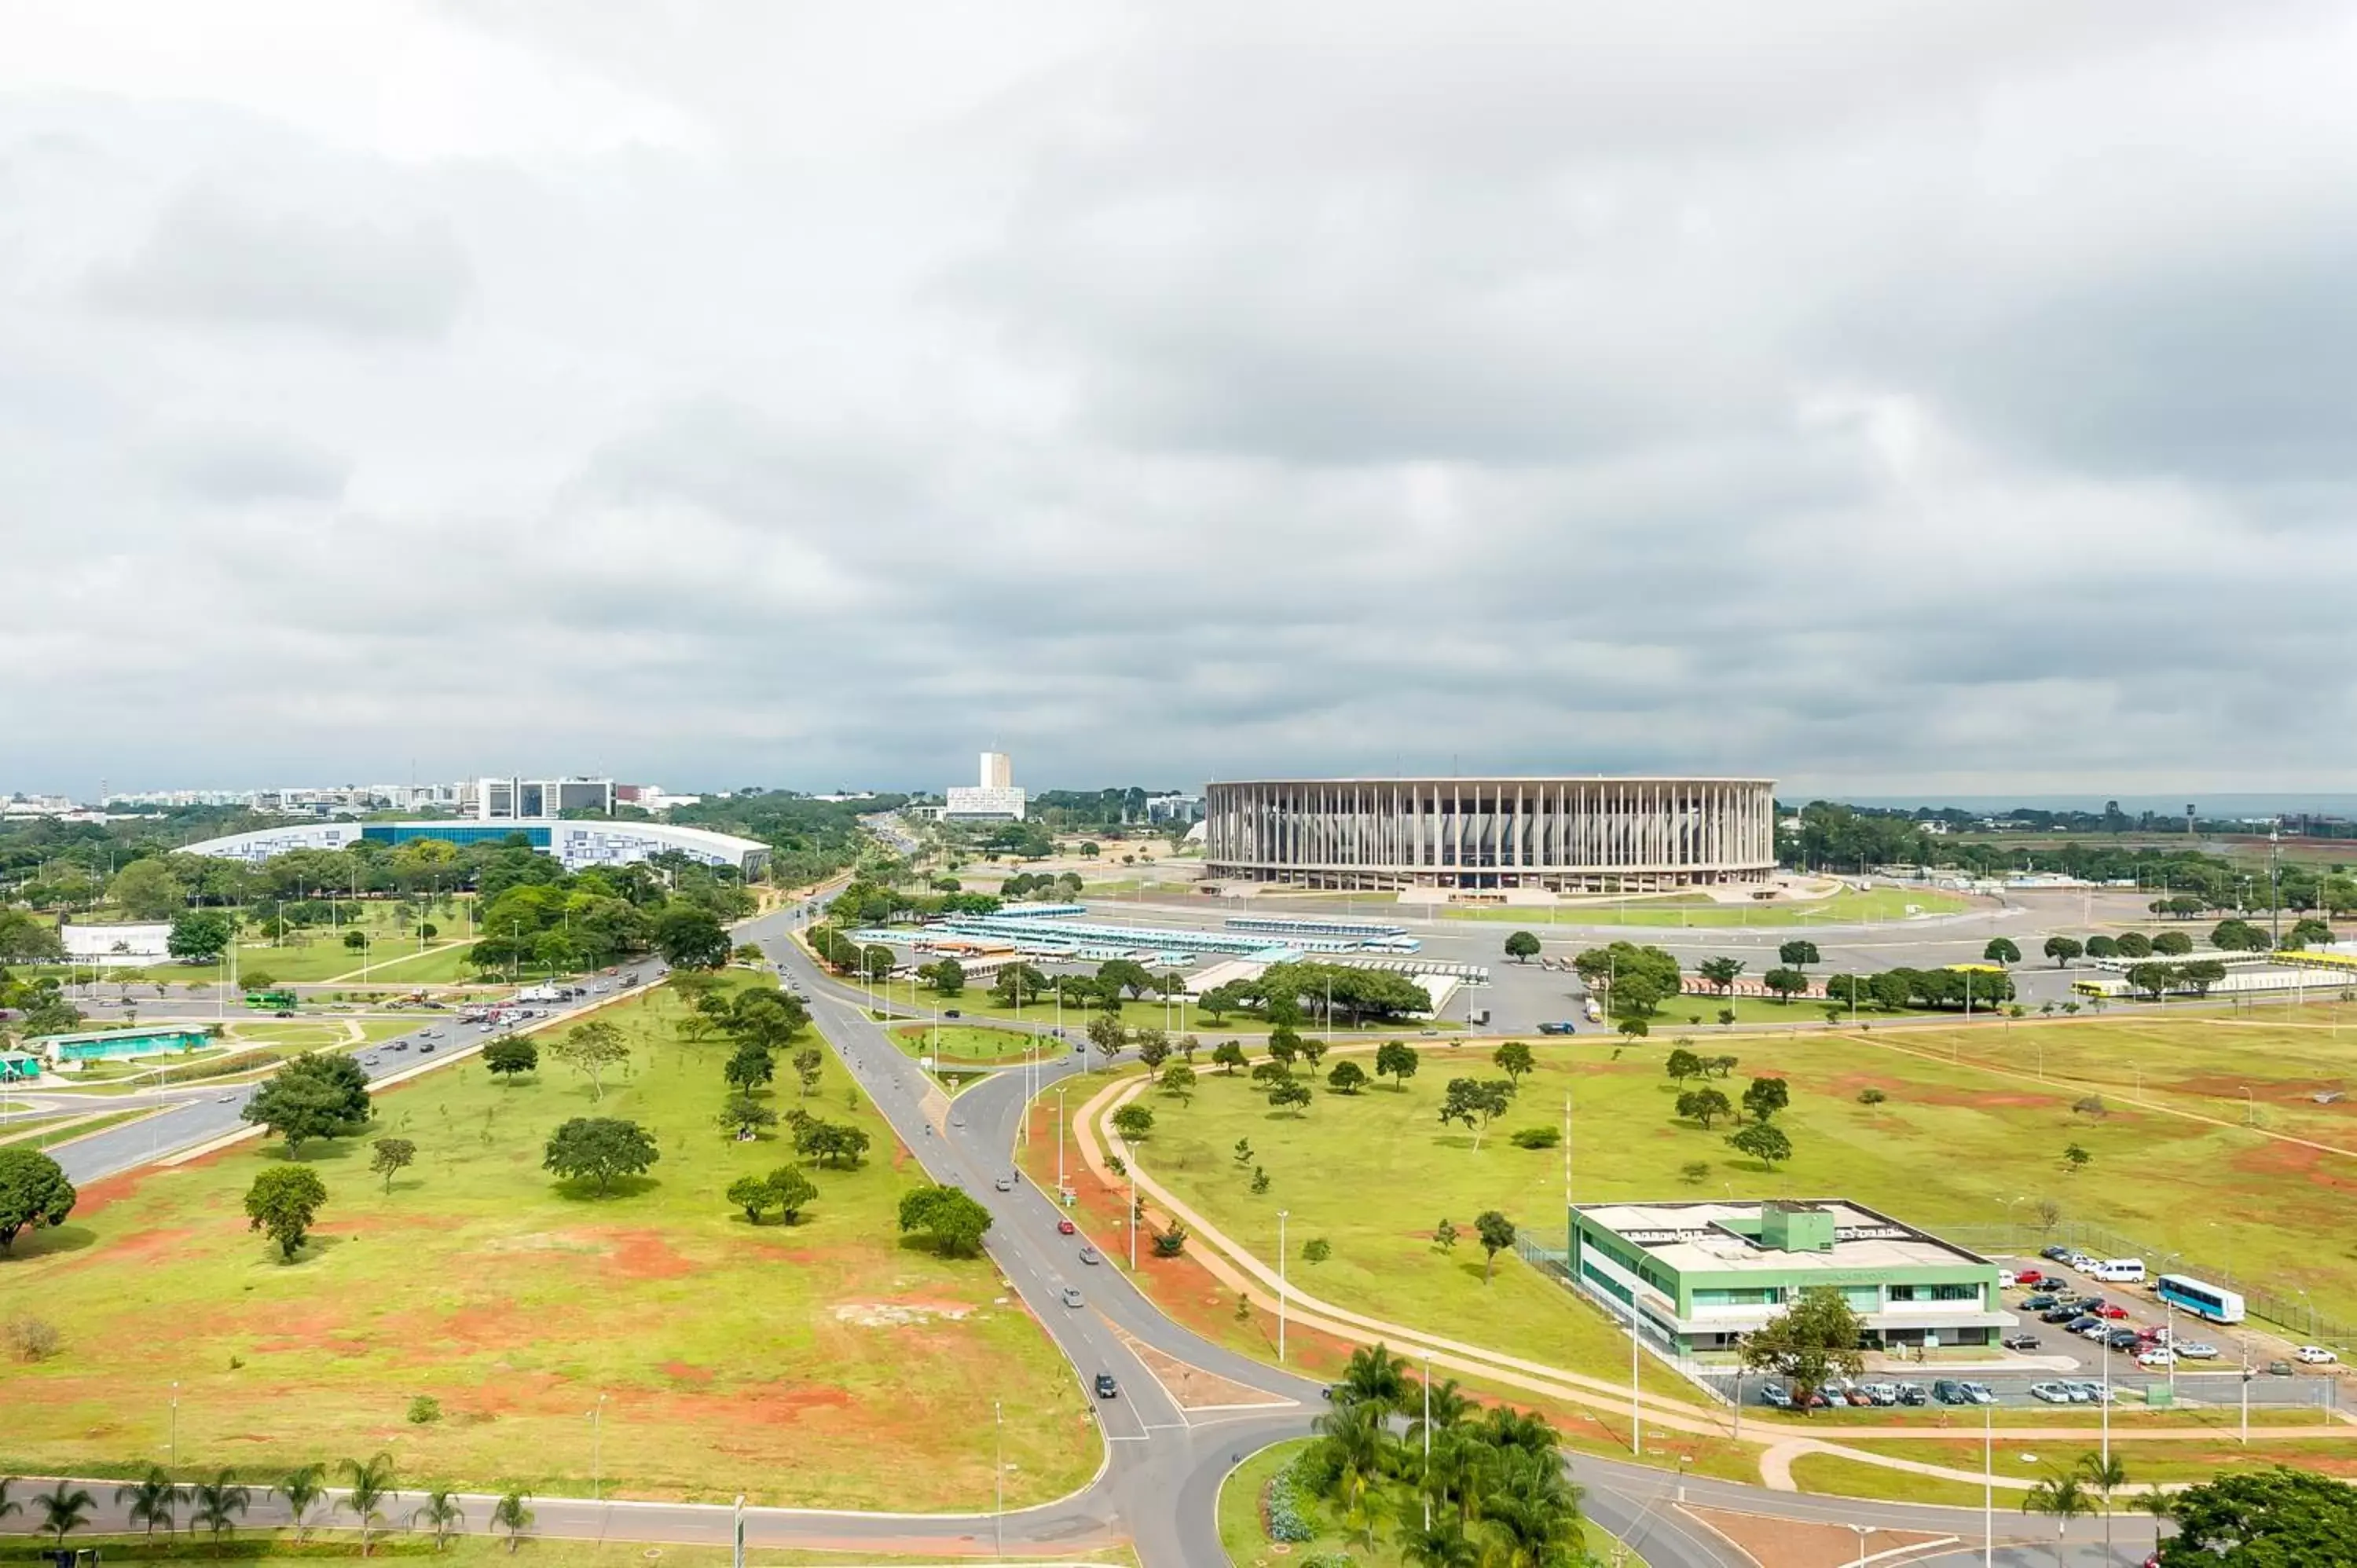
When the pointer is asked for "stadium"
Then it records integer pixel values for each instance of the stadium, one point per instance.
(574, 843)
(1566, 835)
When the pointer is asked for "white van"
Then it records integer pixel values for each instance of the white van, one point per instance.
(2118, 1270)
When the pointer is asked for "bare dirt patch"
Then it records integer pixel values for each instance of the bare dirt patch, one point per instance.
(1789, 1544)
(899, 1314)
(1190, 1387)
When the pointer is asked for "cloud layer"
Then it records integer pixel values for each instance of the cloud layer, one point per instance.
(1942, 399)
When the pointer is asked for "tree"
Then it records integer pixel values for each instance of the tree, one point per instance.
(600, 1148)
(1228, 1055)
(752, 1195)
(1513, 1060)
(1633, 1029)
(1133, 1123)
(2279, 1517)
(200, 936)
(302, 1486)
(283, 1202)
(946, 976)
(34, 1192)
(1767, 1096)
(63, 1511)
(2106, 1473)
(2202, 974)
(810, 1064)
(1521, 947)
(2063, 949)
(2235, 934)
(2001, 949)
(313, 1096)
(390, 1156)
(691, 937)
(1348, 1078)
(1289, 1094)
(2132, 944)
(1475, 1103)
(1703, 1105)
(1681, 1065)
(1444, 1235)
(590, 1049)
(1018, 983)
(152, 1500)
(2103, 946)
(1398, 1059)
(953, 1222)
(2075, 1158)
(1807, 1343)
(745, 1114)
(440, 1513)
(1797, 954)
(148, 890)
(2064, 1495)
(366, 1486)
(1152, 1049)
(1496, 1234)
(1720, 973)
(792, 1192)
(510, 1514)
(1763, 1140)
(509, 1055)
(1106, 1034)
(2172, 944)
(749, 1067)
(1786, 983)
(828, 1142)
(217, 1504)
(1285, 1044)
(2309, 932)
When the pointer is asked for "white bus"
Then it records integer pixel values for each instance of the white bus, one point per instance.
(2215, 1302)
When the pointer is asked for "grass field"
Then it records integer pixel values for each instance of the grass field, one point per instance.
(824, 1363)
(1832, 1474)
(957, 1043)
(1877, 906)
(1950, 1145)
(254, 1546)
(2160, 1462)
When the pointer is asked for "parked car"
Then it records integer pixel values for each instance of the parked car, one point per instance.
(2158, 1356)
(2196, 1350)
(2124, 1339)
(2039, 1303)
(2007, 1279)
(2053, 1393)
(2097, 1393)
(2055, 1254)
(2280, 1369)
(1857, 1395)
(2028, 1277)
(2112, 1309)
(2058, 1315)
(1775, 1396)
(2022, 1342)
(2314, 1356)
(1912, 1393)
(1947, 1391)
(1978, 1394)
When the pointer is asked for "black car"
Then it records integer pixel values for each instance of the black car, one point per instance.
(2039, 1303)
(1106, 1388)
(2022, 1342)
(2080, 1323)
(2056, 1255)
(2124, 1339)
(1947, 1391)
(2058, 1315)
(950, 1013)
(1912, 1393)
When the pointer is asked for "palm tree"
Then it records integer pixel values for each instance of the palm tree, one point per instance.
(1533, 1510)
(1374, 1373)
(2065, 1497)
(366, 1486)
(510, 1515)
(216, 1501)
(2107, 1473)
(152, 1500)
(1356, 1437)
(2161, 1505)
(1441, 1544)
(63, 1511)
(440, 1514)
(1502, 1428)
(7, 1507)
(302, 1488)
(1447, 1405)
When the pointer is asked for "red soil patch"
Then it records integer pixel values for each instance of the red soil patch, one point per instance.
(143, 1244)
(642, 1254)
(2277, 1161)
(681, 1372)
(89, 1201)
(1789, 1544)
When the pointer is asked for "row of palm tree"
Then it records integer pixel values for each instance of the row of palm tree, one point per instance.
(1491, 1486)
(216, 1505)
(2085, 1489)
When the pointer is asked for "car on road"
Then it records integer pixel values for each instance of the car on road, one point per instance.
(1072, 1296)
(425, 1049)
(401, 1045)
(429, 1034)
(224, 1099)
(2195, 1351)
(957, 1120)
(1005, 1184)
(2022, 1342)
(1106, 1388)
(2314, 1356)
(1089, 1255)
(2053, 1393)
(951, 1013)
(283, 1013)
(1066, 1228)
(1560, 1027)
(370, 1061)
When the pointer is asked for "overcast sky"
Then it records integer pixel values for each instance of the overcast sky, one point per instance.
(1882, 398)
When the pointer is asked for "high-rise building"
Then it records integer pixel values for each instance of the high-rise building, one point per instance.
(997, 770)
(498, 799)
(996, 799)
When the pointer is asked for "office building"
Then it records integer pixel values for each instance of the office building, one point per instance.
(995, 799)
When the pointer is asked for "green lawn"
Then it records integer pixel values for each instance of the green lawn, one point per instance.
(822, 1364)
(253, 1546)
(1949, 1144)
(2158, 1462)
(1874, 906)
(956, 1043)
(1832, 1474)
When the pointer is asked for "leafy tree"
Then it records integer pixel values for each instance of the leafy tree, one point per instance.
(1797, 954)
(1228, 1055)
(1313, 1050)
(1106, 1034)
(34, 1192)
(2103, 946)
(2065, 1497)
(2132, 944)
(312, 1096)
(745, 1114)
(1290, 1094)
(1285, 1044)
(1681, 1065)
(1786, 983)
(1537, 1137)
(760, 1016)
(217, 1504)
(691, 937)
(749, 1067)
(509, 1055)
(2062, 949)
(2235, 934)
(283, 1202)
(1133, 1123)
(2202, 974)
(949, 1217)
(1513, 1060)
(1244, 1151)
(1808, 1343)
(1475, 1103)
(829, 1141)
(1444, 1235)
(200, 936)
(810, 1064)
(389, 1157)
(1496, 1234)
(303, 1486)
(1703, 1105)
(152, 1499)
(1179, 1079)
(1767, 1096)
(2172, 944)
(2279, 1517)
(590, 1049)
(1720, 973)
(1633, 1029)
(1221, 999)
(64, 1511)
(366, 1487)
(946, 976)
(2001, 949)
(1018, 983)
(355, 941)
(1152, 1049)
(600, 1148)
(751, 1194)
(1763, 1140)
(2309, 932)
(2075, 1158)
(1348, 1078)
(792, 1192)
(148, 890)
(1396, 1058)
(1521, 947)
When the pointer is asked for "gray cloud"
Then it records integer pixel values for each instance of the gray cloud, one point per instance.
(236, 468)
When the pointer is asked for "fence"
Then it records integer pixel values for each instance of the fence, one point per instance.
(2290, 1310)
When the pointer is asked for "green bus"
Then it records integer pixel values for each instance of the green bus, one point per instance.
(275, 1001)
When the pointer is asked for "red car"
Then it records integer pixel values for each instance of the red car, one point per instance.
(1065, 1228)
(2111, 1309)
(2028, 1277)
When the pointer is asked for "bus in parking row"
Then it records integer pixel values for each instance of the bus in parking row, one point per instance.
(2214, 1303)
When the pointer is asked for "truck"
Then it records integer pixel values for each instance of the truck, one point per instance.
(539, 993)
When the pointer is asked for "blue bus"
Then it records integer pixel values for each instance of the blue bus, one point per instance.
(2215, 1302)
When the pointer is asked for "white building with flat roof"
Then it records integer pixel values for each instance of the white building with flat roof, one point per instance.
(995, 799)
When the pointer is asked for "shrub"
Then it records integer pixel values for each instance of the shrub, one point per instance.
(1871, 1097)
(2091, 1105)
(1280, 1505)
(1538, 1137)
(1330, 1559)
(424, 1410)
(31, 1338)
(1694, 1171)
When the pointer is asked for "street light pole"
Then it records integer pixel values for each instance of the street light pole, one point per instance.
(1988, 1485)
(1059, 1143)
(597, 1448)
(176, 1425)
(1280, 1286)
(998, 1480)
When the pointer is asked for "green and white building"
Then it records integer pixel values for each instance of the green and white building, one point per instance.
(71, 1051)
(1700, 1276)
